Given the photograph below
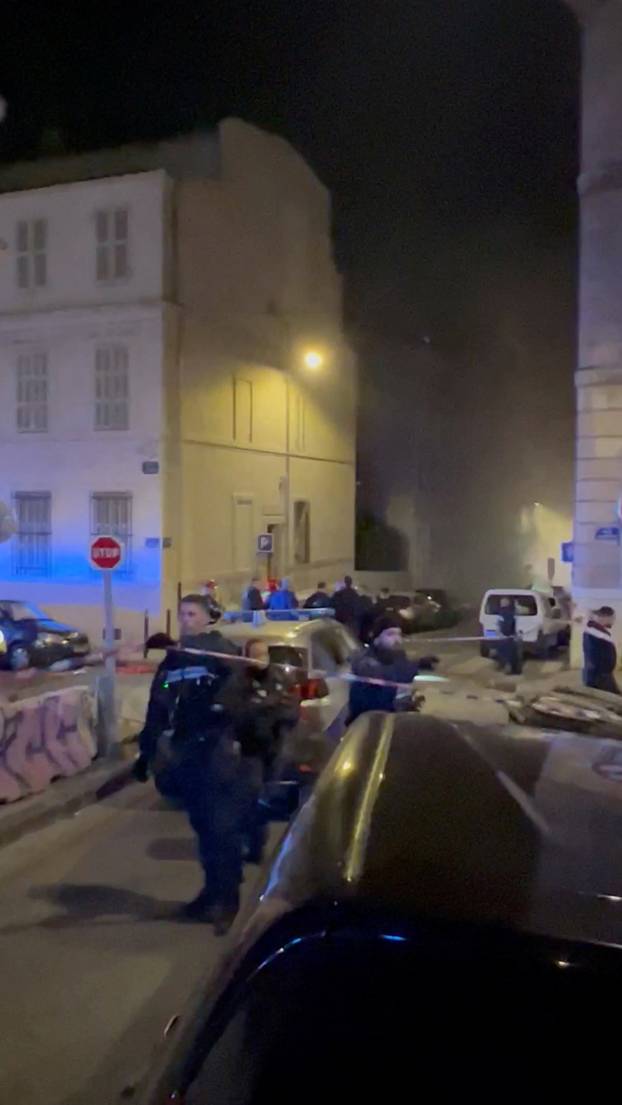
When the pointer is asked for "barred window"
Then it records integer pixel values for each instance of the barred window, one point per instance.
(112, 392)
(111, 244)
(31, 545)
(32, 393)
(111, 513)
(31, 253)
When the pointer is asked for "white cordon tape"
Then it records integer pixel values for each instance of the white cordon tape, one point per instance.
(318, 673)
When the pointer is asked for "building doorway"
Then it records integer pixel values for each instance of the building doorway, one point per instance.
(276, 560)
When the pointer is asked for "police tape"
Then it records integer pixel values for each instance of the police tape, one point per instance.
(319, 673)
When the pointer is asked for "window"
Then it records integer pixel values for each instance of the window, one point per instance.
(111, 513)
(112, 391)
(524, 605)
(31, 546)
(32, 253)
(111, 234)
(302, 532)
(32, 393)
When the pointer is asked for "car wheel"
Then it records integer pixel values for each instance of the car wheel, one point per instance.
(484, 650)
(19, 658)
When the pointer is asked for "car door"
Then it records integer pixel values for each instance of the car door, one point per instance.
(332, 649)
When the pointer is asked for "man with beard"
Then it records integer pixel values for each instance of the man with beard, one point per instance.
(385, 660)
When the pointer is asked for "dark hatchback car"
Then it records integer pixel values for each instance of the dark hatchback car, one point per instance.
(444, 915)
(33, 639)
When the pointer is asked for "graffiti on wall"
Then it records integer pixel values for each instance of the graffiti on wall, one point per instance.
(45, 738)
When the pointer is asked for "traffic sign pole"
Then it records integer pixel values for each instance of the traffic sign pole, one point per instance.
(106, 554)
(108, 682)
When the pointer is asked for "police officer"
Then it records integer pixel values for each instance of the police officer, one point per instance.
(509, 648)
(188, 728)
(599, 652)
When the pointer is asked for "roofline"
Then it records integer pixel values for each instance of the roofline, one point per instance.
(82, 183)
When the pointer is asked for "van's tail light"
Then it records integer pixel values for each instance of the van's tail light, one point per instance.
(312, 688)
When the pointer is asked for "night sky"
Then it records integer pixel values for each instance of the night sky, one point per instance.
(446, 130)
(432, 121)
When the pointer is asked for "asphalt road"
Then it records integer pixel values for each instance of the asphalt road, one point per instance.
(93, 963)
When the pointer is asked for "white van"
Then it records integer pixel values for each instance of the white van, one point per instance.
(540, 620)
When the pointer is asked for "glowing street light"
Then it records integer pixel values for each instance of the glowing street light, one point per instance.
(312, 359)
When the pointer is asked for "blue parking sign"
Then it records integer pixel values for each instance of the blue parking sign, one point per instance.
(567, 552)
(265, 543)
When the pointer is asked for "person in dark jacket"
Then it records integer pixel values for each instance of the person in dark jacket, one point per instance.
(261, 701)
(508, 649)
(319, 600)
(384, 659)
(600, 656)
(188, 730)
(346, 604)
(251, 596)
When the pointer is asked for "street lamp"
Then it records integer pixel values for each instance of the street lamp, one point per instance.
(312, 359)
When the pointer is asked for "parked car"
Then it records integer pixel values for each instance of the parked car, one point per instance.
(447, 615)
(33, 639)
(446, 907)
(317, 651)
(540, 621)
(423, 610)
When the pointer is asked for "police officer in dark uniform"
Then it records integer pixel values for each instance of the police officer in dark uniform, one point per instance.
(600, 657)
(188, 728)
(509, 647)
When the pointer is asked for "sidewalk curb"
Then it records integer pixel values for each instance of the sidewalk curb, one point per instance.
(62, 798)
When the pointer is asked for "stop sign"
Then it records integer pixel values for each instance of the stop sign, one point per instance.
(106, 553)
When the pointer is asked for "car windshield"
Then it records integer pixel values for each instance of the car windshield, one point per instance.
(525, 606)
(288, 656)
(20, 611)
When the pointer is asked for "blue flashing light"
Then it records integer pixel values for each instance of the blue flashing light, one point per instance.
(393, 938)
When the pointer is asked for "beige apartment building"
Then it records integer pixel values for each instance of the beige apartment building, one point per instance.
(173, 370)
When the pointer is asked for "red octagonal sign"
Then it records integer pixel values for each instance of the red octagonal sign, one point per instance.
(106, 552)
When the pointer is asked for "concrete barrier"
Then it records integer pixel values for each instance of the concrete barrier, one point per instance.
(45, 737)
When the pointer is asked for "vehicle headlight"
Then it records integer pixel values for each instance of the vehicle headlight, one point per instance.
(46, 639)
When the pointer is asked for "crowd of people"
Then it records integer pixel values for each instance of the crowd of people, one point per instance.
(352, 606)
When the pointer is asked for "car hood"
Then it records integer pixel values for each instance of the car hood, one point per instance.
(512, 826)
(49, 625)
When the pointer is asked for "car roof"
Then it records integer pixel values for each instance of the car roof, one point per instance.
(510, 591)
(291, 633)
(418, 818)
